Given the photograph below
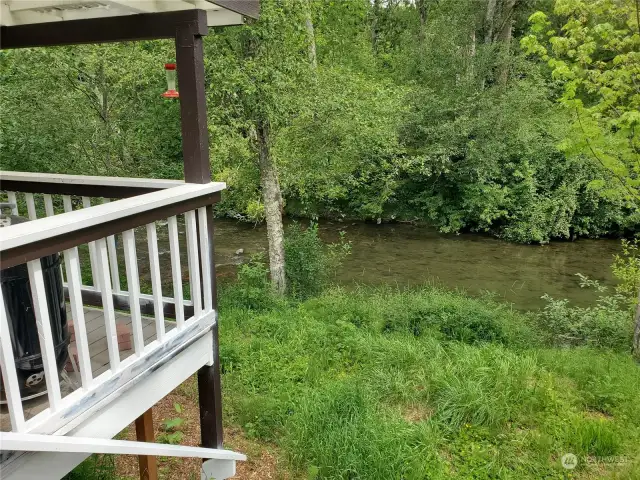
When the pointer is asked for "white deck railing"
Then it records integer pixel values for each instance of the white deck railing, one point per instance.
(27, 242)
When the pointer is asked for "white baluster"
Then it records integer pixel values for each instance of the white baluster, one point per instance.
(43, 323)
(86, 203)
(66, 201)
(31, 206)
(74, 278)
(113, 259)
(11, 196)
(156, 283)
(133, 282)
(8, 368)
(176, 270)
(194, 262)
(48, 205)
(206, 261)
(107, 305)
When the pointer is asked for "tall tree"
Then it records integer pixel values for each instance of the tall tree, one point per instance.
(262, 98)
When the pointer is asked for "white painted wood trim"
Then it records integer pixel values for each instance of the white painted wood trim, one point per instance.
(66, 202)
(133, 285)
(11, 196)
(30, 232)
(30, 442)
(89, 180)
(193, 259)
(156, 281)
(107, 306)
(48, 205)
(8, 368)
(213, 469)
(206, 261)
(31, 206)
(113, 259)
(74, 282)
(176, 271)
(41, 311)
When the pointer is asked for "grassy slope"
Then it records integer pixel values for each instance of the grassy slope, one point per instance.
(424, 384)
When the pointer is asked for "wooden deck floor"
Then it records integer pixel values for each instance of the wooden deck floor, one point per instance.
(96, 334)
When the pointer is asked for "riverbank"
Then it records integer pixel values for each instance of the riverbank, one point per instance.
(425, 383)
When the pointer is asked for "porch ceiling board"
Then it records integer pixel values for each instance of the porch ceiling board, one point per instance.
(26, 12)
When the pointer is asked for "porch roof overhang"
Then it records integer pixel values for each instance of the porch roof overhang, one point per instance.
(32, 23)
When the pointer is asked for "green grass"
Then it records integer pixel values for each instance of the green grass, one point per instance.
(96, 467)
(385, 384)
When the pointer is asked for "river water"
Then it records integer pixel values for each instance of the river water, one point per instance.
(407, 255)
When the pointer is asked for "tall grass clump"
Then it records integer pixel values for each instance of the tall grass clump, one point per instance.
(338, 433)
(252, 288)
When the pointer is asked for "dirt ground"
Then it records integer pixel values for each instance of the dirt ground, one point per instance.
(263, 461)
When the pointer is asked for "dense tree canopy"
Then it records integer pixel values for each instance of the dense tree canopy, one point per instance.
(505, 116)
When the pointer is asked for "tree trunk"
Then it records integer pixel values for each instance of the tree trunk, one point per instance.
(272, 199)
(636, 333)
(374, 26)
(311, 37)
(472, 56)
(488, 21)
(423, 12)
(504, 36)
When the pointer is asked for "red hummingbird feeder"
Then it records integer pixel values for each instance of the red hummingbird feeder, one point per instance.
(170, 71)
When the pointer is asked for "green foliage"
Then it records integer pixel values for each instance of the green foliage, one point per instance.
(310, 264)
(626, 268)
(170, 427)
(592, 49)
(402, 119)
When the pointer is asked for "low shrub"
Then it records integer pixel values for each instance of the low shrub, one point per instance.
(252, 289)
(310, 264)
(608, 323)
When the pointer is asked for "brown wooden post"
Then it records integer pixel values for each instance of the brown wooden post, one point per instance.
(197, 169)
(144, 433)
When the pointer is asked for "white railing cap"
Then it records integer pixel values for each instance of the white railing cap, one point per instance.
(49, 227)
(64, 179)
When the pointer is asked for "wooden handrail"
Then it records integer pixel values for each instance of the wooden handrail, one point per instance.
(82, 185)
(35, 239)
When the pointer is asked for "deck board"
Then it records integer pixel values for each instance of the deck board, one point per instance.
(96, 336)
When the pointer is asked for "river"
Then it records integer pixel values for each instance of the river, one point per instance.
(407, 255)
